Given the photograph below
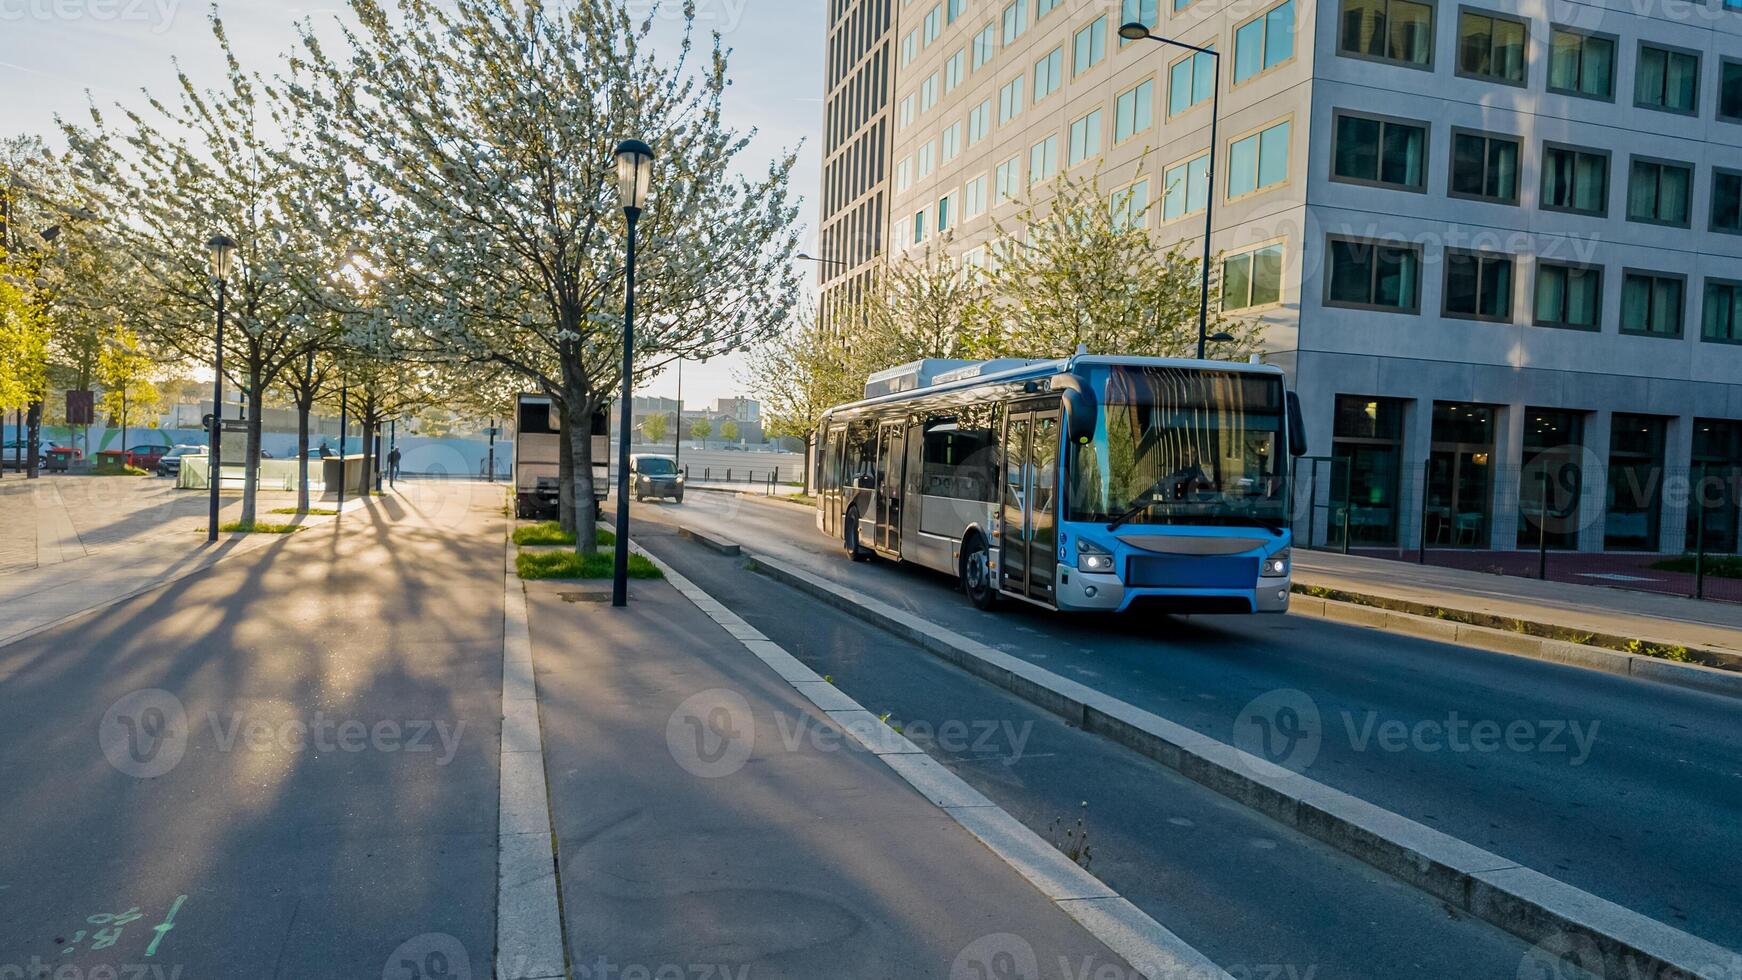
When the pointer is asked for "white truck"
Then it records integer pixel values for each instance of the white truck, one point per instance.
(538, 452)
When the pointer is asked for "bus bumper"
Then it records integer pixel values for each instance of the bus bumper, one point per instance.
(1085, 591)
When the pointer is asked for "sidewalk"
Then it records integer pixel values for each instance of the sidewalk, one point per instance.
(710, 817)
(1656, 618)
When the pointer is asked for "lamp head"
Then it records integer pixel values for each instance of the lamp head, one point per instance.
(223, 249)
(634, 174)
(1133, 31)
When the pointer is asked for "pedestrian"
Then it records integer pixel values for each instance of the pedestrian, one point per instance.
(325, 451)
(393, 464)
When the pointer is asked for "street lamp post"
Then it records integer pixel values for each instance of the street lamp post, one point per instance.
(1136, 31)
(223, 249)
(677, 424)
(634, 179)
(344, 427)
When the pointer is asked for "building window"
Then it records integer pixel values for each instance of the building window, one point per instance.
(1636, 445)
(1569, 296)
(1581, 64)
(934, 24)
(1374, 275)
(1485, 167)
(1185, 188)
(1258, 161)
(1390, 152)
(1667, 80)
(1651, 304)
(979, 122)
(928, 93)
(1368, 437)
(1085, 138)
(954, 69)
(927, 153)
(1264, 42)
(910, 47)
(1252, 279)
(1049, 74)
(953, 10)
(919, 226)
(1130, 206)
(1043, 160)
(1478, 286)
(974, 198)
(1657, 192)
(1133, 111)
(1089, 46)
(1721, 321)
(1730, 91)
(903, 174)
(1391, 30)
(1044, 7)
(946, 213)
(1727, 201)
(1491, 47)
(985, 46)
(1460, 475)
(1549, 482)
(906, 116)
(1575, 180)
(1190, 82)
(952, 142)
(1015, 20)
(1007, 180)
(1145, 12)
(1009, 101)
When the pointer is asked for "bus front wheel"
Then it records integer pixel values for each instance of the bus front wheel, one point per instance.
(977, 575)
(850, 537)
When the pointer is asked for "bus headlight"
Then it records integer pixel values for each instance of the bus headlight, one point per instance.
(1277, 565)
(1091, 557)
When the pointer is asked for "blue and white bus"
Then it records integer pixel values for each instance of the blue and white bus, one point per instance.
(1088, 483)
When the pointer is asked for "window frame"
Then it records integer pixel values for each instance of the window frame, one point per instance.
(1458, 43)
(1718, 100)
(1699, 76)
(1614, 64)
(1100, 36)
(1279, 242)
(1681, 327)
(1186, 163)
(1479, 255)
(1706, 284)
(1095, 136)
(1234, 45)
(1608, 178)
(1660, 162)
(1325, 296)
(1227, 160)
(1142, 220)
(1057, 83)
(1712, 206)
(1433, 33)
(1131, 90)
(1338, 115)
(1192, 56)
(1536, 274)
(1452, 170)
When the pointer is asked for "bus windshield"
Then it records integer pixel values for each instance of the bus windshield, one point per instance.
(1181, 446)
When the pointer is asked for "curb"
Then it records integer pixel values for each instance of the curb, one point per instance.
(1711, 680)
(1127, 931)
(721, 545)
(1503, 893)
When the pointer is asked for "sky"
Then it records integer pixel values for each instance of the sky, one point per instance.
(56, 55)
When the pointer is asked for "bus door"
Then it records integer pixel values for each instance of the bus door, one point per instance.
(832, 474)
(1028, 536)
(891, 467)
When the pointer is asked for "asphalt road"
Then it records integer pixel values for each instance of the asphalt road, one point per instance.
(286, 766)
(1624, 788)
(1258, 899)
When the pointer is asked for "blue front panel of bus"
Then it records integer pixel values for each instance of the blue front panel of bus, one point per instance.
(1191, 572)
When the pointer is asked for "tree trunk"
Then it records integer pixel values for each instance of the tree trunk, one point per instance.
(33, 439)
(565, 480)
(302, 413)
(251, 458)
(578, 424)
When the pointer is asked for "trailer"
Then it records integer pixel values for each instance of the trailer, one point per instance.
(538, 455)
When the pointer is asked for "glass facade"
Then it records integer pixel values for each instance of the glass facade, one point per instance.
(1550, 480)
(1367, 448)
(1635, 512)
(1460, 475)
(1717, 475)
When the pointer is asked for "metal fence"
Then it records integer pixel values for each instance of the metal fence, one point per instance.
(1629, 524)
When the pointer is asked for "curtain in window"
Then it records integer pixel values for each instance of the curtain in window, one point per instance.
(1563, 62)
(1672, 195)
(1650, 86)
(1581, 296)
(1666, 306)
(1403, 156)
(1502, 169)
(1636, 303)
(1589, 184)
(1597, 67)
(1411, 39)
(1722, 303)
(1364, 27)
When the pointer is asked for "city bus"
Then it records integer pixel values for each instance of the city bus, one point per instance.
(1084, 483)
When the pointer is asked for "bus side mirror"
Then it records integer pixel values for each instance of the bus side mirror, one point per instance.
(1081, 416)
(1297, 440)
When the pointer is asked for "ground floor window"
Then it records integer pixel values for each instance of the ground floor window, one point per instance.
(1717, 464)
(1636, 445)
(1549, 479)
(1460, 475)
(1367, 450)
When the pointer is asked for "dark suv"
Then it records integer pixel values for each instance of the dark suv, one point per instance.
(655, 476)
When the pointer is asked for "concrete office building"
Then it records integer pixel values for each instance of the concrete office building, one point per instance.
(1488, 241)
(859, 73)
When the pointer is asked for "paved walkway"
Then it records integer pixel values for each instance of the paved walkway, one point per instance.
(710, 821)
(1587, 608)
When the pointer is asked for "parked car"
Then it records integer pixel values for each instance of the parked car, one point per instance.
(655, 476)
(170, 463)
(16, 454)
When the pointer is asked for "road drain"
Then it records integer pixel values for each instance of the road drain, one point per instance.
(594, 596)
